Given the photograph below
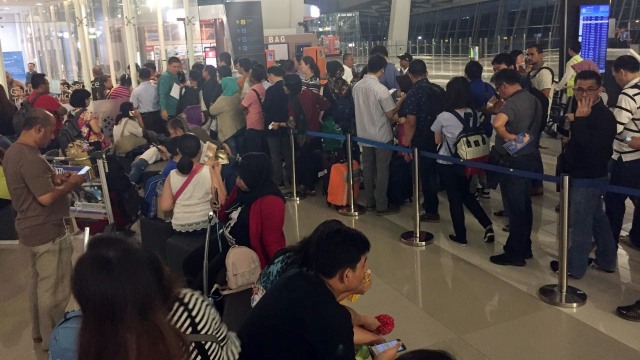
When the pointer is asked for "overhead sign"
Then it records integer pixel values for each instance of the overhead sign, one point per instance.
(246, 29)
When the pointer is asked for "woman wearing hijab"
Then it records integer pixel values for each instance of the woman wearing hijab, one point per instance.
(228, 111)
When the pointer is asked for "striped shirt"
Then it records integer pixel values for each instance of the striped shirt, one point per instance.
(194, 314)
(627, 113)
(119, 92)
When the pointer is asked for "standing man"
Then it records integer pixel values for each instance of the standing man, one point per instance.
(375, 111)
(625, 165)
(276, 115)
(153, 70)
(569, 73)
(423, 103)
(31, 70)
(145, 99)
(41, 99)
(224, 59)
(347, 62)
(40, 197)
(520, 114)
(168, 80)
(405, 60)
(586, 156)
(390, 73)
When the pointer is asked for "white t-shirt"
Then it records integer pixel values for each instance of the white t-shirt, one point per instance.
(348, 74)
(450, 127)
(132, 128)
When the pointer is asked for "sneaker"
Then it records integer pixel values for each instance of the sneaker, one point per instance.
(555, 267)
(504, 259)
(594, 265)
(432, 218)
(457, 241)
(500, 213)
(484, 193)
(390, 210)
(629, 312)
(489, 235)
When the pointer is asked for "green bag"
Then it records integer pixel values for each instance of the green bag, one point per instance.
(330, 127)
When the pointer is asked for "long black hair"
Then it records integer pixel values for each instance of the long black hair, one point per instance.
(308, 60)
(189, 147)
(458, 94)
(125, 109)
(293, 83)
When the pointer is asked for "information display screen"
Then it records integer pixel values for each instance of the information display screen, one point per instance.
(246, 30)
(593, 32)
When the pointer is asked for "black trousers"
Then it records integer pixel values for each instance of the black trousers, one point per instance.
(153, 121)
(255, 141)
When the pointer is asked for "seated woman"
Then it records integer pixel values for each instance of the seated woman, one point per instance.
(253, 216)
(299, 256)
(89, 123)
(128, 122)
(146, 317)
(123, 90)
(192, 190)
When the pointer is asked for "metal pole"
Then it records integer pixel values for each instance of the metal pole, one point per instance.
(352, 209)
(293, 195)
(561, 294)
(56, 45)
(102, 172)
(188, 28)
(107, 34)
(80, 23)
(87, 41)
(163, 51)
(416, 237)
(73, 46)
(131, 38)
(43, 43)
(205, 264)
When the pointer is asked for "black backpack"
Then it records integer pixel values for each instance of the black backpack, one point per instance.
(435, 105)
(70, 131)
(21, 114)
(544, 100)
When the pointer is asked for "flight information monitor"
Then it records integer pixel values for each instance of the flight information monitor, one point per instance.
(593, 32)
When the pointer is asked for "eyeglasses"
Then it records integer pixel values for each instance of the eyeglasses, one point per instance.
(589, 91)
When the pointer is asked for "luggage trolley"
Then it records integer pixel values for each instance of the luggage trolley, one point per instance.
(91, 201)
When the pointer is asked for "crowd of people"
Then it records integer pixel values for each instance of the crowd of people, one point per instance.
(245, 111)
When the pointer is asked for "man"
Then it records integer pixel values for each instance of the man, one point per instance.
(244, 81)
(224, 59)
(31, 70)
(41, 99)
(390, 74)
(625, 165)
(569, 73)
(166, 83)
(347, 62)
(405, 60)
(40, 198)
(300, 317)
(520, 114)
(153, 70)
(422, 105)
(586, 156)
(276, 115)
(16, 89)
(145, 99)
(375, 111)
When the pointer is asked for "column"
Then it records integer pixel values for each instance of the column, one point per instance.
(130, 39)
(107, 34)
(56, 45)
(36, 58)
(3, 79)
(163, 50)
(399, 24)
(189, 21)
(85, 29)
(73, 44)
(81, 22)
(43, 42)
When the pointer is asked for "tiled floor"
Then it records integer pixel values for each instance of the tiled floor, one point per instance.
(443, 296)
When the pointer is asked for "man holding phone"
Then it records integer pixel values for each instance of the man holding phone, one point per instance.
(40, 197)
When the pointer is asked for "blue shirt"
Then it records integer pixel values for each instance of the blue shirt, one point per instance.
(482, 92)
(145, 97)
(388, 79)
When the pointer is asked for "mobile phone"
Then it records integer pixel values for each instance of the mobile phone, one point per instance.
(380, 348)
(84, 170)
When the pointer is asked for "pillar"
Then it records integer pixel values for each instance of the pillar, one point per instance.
(3, 79)
(163, 50)
(399, 24)
(107, 34)
(73, 42)
(130, 38)
(189, 21)
(81, 22)
(56, 45)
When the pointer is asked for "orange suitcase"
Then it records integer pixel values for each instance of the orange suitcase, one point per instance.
(337, 194)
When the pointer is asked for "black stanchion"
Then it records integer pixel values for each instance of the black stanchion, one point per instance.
(416, 237)
(561, 294)
(353, 209)
(205, 265)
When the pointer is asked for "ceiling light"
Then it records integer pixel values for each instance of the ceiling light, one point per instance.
(38, 4)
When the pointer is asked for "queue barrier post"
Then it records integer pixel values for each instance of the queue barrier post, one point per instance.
(352, 209)
(561, 294)
(293, 195)
(416, 237)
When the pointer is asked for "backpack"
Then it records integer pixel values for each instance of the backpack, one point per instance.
(63, 344)
(471, 143)
(544, 102)
(21, 114)
(152, 189)
(330, 127)
(242, 267)
(70, 131)
(534, 74)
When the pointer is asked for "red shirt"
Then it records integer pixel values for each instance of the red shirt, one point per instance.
(313, 105)
(119, 92)
(49, 103)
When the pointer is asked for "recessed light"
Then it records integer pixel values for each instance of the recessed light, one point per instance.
(38, 4)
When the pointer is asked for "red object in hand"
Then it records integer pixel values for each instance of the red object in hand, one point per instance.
(386, 324)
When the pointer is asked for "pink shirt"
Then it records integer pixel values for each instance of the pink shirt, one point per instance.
(255, 118)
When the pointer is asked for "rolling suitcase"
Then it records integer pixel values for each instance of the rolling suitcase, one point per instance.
(338, 194)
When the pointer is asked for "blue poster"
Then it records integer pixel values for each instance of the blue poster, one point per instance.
(14, 64)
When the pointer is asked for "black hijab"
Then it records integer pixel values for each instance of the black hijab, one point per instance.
(255, 171)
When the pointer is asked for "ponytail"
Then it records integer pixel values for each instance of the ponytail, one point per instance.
(185, 165)
(189, 148)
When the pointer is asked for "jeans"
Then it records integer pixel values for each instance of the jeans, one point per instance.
(516, 195)
(375, 164)
(280, 147)
(588, 224)
(457, 187)
(137, 168)
(626, 174)
(430, 184)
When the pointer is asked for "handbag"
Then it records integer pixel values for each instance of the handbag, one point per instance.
(126, 143)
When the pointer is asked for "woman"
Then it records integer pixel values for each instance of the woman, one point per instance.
(192, 190)
(128, 133)
(311, 72)
(101, 87)
(338, 91)
(211, 89)
(447, 128)
(191, 95)
(305, 107)
(145, 317)
(228, 112)
(123, 90)
(7, 110)
(89, 123)
(255, 138)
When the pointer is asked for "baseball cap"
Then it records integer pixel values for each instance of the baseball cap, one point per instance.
(406, 56)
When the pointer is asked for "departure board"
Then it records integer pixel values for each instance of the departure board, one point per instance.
(246, 30)
(593, 32)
